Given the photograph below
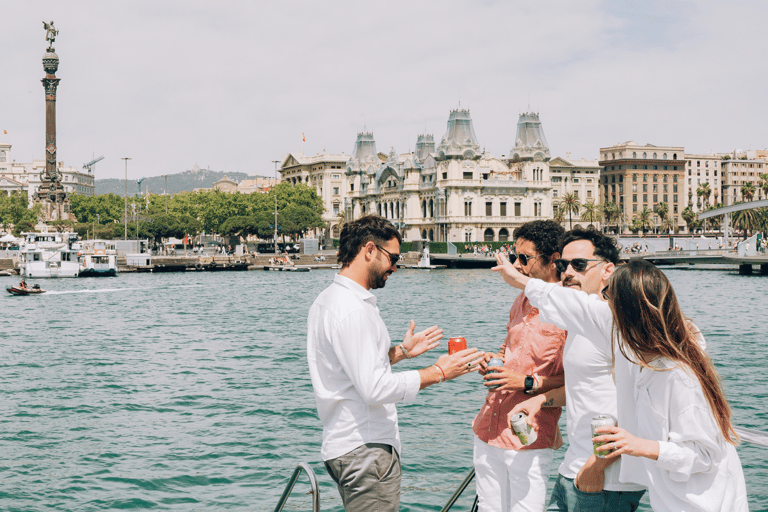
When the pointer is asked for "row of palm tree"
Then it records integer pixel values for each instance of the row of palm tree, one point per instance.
(591, 212)
(748, 191)
(612, 214)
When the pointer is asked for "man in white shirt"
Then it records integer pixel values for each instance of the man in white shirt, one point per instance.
(350, 356)
(586, 482)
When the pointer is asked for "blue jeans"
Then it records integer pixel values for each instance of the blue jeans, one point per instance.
(567, 498)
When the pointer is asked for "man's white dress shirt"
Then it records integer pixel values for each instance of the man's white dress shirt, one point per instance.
(348, 354)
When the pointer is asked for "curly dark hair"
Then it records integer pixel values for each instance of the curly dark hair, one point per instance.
(545, 235)
(354, 235)
(605, 246)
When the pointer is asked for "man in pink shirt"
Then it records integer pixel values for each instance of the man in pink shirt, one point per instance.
(510, 476)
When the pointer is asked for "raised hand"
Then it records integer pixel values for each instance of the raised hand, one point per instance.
(422, 341)
(510, 274)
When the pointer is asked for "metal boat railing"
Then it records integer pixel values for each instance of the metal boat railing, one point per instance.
(752, 436)
(315, 489)
(459, 491)
(747, 435)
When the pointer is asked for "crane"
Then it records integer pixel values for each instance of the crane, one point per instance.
(90, 164)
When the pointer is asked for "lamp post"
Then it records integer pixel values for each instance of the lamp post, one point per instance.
(166, 193)
(275, 187)
(126, 197)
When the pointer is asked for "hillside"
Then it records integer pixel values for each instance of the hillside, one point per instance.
(181, 182)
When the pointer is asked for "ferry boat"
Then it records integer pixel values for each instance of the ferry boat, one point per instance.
(98, 258)
(49, 255)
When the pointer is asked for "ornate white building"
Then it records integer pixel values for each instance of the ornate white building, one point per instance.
(453, 191)
(26, 176)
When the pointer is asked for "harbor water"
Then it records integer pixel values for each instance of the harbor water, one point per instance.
(191, 392)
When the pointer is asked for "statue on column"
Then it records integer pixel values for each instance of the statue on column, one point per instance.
(50, 34)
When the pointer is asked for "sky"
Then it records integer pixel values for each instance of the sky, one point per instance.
(234, 85)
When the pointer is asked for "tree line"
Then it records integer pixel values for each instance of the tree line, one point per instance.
(299, 210)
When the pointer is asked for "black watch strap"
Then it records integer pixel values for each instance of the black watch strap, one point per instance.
(529, 382)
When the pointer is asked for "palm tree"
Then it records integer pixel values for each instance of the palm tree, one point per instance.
(611, 214)
(662, 210)
(558, 215)
(591, 212)
(667, 225)
(714, 222)
(704, 191)
(764, 185)
(748, 191)
(689, 216)
(747, 221)
(570, 204)
(644, 218)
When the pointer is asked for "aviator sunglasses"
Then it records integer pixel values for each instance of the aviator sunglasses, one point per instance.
(578, 264)
(393, 258)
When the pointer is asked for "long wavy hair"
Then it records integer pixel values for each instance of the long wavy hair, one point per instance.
(648, 322)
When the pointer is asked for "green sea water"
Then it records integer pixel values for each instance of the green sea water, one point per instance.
(191, 391)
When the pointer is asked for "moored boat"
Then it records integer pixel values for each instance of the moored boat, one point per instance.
(98, 258)
(49, 255)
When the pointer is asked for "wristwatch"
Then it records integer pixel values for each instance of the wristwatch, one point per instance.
(529, 382)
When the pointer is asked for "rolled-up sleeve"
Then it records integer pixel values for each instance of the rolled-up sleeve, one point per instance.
(355, 345)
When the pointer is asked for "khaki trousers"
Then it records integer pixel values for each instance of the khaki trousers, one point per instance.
(368, 478)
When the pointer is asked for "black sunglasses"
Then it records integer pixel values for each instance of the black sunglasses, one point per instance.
(578, 264)
(393, 258)
(524, 258)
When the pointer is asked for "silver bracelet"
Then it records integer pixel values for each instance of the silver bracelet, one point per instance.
(407, 355)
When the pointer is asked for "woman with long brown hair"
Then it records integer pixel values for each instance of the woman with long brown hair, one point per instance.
(675, 434)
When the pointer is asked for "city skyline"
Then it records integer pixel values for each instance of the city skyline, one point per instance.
(233, 88)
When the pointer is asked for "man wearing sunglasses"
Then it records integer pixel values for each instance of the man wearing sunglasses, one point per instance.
(586, 483)
(350, 356)
(510, 476)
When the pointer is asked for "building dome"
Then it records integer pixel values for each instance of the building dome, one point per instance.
(530, 143)
(425, 145)
(459, 140)
(364, 154)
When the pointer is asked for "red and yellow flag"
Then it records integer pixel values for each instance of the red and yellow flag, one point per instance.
(303, 139)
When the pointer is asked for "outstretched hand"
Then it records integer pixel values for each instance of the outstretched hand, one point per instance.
(459, 363)
(510, 273)
(422, 341)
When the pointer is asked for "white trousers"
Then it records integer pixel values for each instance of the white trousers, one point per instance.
(511, 480)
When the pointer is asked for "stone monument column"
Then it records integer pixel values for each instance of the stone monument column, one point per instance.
(51, 192)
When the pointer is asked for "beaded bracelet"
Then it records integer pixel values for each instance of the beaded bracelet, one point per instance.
(442, 373)
(407, 355)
